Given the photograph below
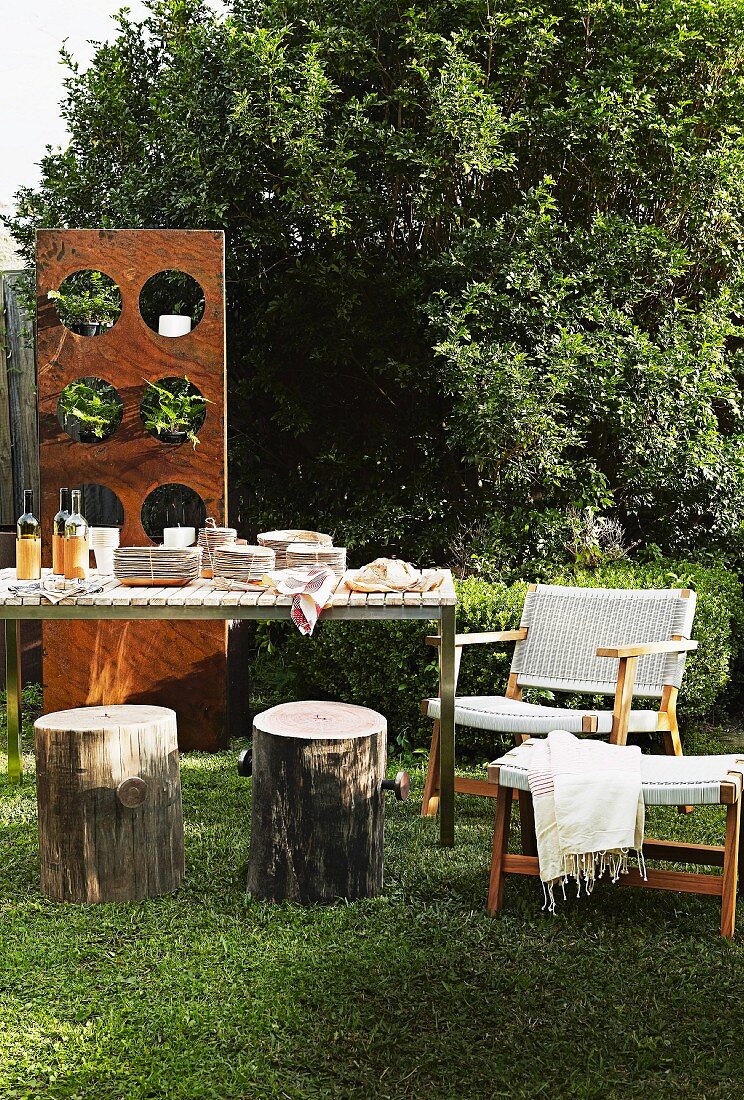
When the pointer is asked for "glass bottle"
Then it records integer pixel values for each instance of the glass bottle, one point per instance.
(77, 556)
(58, 533)
(28, 541)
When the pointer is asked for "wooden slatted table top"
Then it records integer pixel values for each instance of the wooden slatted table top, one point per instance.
(204, 594)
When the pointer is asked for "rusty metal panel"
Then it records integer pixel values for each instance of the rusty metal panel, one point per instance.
(179, 665)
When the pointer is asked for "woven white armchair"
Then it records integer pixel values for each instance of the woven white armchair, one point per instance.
(625, 643)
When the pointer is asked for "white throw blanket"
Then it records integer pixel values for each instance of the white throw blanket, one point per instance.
(589, 811)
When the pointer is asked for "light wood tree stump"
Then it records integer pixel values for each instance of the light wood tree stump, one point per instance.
(318, 803)
(109, 798)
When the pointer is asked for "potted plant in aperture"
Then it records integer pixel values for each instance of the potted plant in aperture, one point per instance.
(173, 410)
(89, 409)
(87, 302)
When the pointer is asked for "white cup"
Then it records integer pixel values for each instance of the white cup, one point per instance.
(104, 560)
(179, 536)
(173, 324)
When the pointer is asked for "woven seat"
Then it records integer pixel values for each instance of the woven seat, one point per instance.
(502, 715)
(665, 781)
(620, 643)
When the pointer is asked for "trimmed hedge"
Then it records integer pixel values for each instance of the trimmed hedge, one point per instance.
(385, 665)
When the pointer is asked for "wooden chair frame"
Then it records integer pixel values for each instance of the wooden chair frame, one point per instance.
(627, 656)
(726, 856)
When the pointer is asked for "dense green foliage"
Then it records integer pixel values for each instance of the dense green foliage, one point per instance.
(87, 297)
(386, 665)
(484, 260)
(173, 407)
(209, 995)
(90, 407)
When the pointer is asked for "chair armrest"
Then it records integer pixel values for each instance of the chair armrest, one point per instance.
(483, 638)
(642, 649)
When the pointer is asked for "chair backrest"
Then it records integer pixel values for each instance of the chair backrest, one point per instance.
(565, 626)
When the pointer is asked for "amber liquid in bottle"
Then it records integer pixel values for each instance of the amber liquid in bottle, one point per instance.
(77, 557)
(28, 541)
(58, 533)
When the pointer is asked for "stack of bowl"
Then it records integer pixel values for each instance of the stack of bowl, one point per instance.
(278, 541)
(303, 555)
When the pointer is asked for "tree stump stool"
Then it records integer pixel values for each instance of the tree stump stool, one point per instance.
(318, 802)
(109, 798)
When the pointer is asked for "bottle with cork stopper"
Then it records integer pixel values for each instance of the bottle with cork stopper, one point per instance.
(58, 533)
(76, 551)
(28, 541)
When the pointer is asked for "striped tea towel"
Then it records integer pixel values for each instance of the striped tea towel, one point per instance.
(589, 811)
(310, 589)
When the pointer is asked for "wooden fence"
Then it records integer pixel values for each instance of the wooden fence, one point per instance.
(19, 444)
(19, 435)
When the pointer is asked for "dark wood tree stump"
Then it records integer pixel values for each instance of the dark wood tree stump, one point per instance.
(318, 804)
(109, 798)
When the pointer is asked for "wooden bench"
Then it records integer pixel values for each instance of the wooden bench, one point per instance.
(666, 781)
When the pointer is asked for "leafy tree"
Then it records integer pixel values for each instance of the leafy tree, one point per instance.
(484, 257)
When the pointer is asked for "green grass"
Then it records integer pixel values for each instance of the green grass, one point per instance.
(208, 994)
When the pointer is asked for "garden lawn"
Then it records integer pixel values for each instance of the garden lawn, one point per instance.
(208, 994)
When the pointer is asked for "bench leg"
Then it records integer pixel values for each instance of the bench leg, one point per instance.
(730, 870)
(430, 801)
(673, 747)
(500, 845)
(527, 823)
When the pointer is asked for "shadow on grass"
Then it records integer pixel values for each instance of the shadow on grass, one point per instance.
(417, 993)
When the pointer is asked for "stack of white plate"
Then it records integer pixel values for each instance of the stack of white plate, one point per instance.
(304, 554)
(243, 563)
(278, 541)
(157, 565)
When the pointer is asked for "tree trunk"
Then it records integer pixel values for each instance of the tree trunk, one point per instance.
(318, 806)
(109, 797)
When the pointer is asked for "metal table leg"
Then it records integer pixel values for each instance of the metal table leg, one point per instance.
(447, 727)
(13, 695)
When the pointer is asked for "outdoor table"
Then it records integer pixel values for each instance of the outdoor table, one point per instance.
(202, 600)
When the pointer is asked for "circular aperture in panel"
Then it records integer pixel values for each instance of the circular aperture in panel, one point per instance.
(172, 505)
(89, 410)
(171, 303)
(101, 505)
(88, 303)
(173, 410)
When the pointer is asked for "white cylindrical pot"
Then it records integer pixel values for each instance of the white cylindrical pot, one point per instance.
(173, 324)
(179, 536)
